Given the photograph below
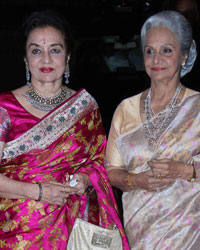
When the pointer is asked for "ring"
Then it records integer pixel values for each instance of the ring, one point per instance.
(158, 189)
(160, 176)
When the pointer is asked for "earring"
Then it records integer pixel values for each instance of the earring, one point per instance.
(28, 77)
(67, 74)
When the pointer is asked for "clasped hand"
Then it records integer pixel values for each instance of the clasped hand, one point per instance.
(166, 168)
(162, 174)
(57, 193)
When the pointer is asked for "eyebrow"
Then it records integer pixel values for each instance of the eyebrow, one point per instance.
(166, 44)
(52, 45)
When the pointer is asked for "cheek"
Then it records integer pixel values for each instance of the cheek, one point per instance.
(32, 60)
(60, 60)
(173, 62)
(146, 62)
(32, 65)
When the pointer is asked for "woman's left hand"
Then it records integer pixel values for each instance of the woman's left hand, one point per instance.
(81, 186)
(168, 168)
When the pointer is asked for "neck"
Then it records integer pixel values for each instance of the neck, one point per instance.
(47, 90)
(162, 96)
(163, 92)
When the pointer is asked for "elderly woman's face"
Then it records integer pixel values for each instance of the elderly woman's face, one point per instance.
(46, 54)
(162, 55)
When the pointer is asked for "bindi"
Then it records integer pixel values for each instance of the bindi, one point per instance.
(43, 41)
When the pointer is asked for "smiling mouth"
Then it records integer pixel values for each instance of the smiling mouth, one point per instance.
(46, 69)
(157, 69)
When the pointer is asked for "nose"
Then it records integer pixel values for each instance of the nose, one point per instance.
(156, 58)
(46, 57)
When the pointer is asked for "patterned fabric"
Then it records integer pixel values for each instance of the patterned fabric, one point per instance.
(4, 124)
(169, 219)
(69, 139)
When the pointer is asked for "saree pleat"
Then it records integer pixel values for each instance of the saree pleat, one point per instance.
(70, 139)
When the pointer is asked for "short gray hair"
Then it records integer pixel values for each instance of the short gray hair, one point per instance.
(179, 25)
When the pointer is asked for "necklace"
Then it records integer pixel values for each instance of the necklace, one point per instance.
(156, 124)
(46, 103)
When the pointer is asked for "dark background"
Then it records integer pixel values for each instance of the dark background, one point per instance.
(93, 22)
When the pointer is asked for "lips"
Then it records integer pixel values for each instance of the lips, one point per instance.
(46, 69)
(157, 69)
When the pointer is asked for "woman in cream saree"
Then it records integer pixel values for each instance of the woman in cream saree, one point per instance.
(154, 143)
(167, 218)
(70, 139)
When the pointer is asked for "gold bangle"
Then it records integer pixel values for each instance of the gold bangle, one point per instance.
(128, 181)
(194, 176)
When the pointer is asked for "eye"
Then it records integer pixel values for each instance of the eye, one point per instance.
(149, 51)
(36, 51)
(55, 51)
(166, 50)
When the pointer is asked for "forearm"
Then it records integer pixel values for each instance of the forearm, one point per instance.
(12, 189)
(118, 179)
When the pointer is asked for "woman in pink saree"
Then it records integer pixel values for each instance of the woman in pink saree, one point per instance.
(51, 136)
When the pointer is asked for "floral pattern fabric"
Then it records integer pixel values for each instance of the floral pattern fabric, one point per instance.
(69, 139)
(170, 218)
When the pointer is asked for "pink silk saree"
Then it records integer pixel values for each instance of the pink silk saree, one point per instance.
(69, 139)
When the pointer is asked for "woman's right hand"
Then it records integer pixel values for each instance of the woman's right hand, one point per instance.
(147, 181)
(54, 193)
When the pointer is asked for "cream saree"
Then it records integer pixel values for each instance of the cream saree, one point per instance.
(169, 219)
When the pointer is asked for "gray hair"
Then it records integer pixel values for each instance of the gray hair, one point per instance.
(179, 25)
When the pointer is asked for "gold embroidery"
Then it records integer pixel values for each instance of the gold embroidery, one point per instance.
(41, 136)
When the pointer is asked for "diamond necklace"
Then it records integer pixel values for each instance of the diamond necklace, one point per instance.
(156, 124)
(47, 103)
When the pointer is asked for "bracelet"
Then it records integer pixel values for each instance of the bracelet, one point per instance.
(193, 178)
(128, 181)
(40, 191)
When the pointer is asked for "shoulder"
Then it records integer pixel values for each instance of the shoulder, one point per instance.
(5, 97)
(191, 101)
(190, 92)
(127, 114)
(84, 95)
(128, 105)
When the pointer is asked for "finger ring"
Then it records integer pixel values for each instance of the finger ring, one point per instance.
(158, 189)
(160, 176)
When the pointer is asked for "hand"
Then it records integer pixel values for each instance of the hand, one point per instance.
(81, 186)
(169, 168)
(147, 181)
(54, 193)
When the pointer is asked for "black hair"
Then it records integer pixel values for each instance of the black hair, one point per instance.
(45, 18)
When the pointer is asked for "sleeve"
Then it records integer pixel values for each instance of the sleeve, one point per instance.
(113, 158)
(4, 124)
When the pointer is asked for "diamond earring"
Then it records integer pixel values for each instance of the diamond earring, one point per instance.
(28, 77)
(67, 74)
